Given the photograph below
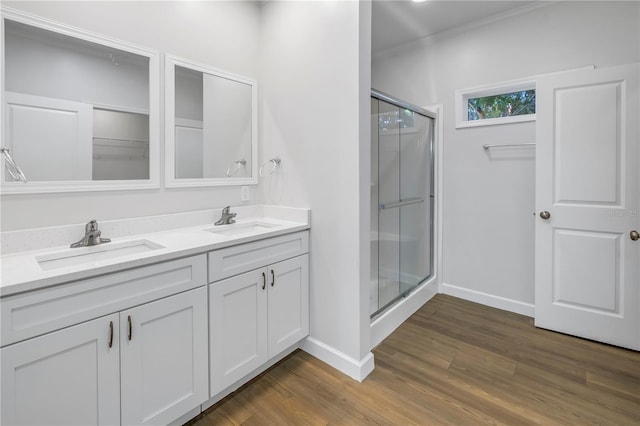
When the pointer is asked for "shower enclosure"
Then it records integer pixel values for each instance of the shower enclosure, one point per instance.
(402, 199)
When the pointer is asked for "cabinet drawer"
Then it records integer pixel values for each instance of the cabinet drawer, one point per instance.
(238, 259)
(35, 313)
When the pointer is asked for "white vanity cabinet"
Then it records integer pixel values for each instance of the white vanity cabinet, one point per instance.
(68, 377)
(256, 315)
(152, 343)
(288, 303)
(145, 363)
(163, 355)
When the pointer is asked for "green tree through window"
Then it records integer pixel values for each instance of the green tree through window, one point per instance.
(502, 105)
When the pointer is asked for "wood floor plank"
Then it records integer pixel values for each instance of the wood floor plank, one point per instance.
(624, 384)
(453, 362)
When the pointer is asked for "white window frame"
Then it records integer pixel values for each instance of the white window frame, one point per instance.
(462, 97)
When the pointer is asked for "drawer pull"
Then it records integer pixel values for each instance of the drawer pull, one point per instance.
(264, 280)
(273, 278)
(130, 328)
(110, 333)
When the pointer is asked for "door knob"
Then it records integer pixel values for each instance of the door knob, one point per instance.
(545, 214)
(634, 235)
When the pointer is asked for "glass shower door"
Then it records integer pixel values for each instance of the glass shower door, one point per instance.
(402, 202)
(388, 239)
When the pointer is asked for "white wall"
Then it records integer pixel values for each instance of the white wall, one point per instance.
(314, 95)
(46, 67)
(223, 35)
(489, 198)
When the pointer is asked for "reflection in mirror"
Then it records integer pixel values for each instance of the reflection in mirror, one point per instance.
(120, 145)
(211, 131)
(188, 131)
(75, 110)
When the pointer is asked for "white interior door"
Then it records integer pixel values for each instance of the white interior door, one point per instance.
(50, 139)
(587, 180)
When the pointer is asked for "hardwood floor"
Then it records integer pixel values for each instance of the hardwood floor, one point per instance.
(453, 362)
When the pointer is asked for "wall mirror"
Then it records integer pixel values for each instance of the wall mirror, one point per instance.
(80, 111)
(211, 126)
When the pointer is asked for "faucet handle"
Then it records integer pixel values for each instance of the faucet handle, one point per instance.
(226, 210)
(92, 225)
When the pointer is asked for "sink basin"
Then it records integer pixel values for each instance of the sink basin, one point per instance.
(241, 228)
(78, 256)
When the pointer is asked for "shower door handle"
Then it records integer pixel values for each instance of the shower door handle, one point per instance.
(400, 203)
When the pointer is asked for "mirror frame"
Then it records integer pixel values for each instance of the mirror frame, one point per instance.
(171, 181)
(154, 110)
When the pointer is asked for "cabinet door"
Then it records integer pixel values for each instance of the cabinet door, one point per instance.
(164, 358)
(237, 327)
(288, 303)
(67, 377)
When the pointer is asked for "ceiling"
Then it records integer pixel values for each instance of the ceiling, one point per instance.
(396, 22)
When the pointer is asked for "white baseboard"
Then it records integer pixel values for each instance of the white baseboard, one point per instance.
(391, 319)
(356, 369)
(503, 303)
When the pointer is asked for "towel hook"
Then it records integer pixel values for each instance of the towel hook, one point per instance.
(13, 169)
(275, 164)
(235, 167)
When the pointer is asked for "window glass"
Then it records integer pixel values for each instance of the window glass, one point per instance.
(502, 105)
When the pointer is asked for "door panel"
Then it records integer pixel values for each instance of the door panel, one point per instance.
(63, 137)
(188, 152)
(587, 178)
(164, 362)
(237, 327)
(581, 149)
(288, 302)
(68, 377)
(388, 240)
(415, 219)
(587, 269)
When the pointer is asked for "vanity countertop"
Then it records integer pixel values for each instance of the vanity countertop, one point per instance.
(44, 267)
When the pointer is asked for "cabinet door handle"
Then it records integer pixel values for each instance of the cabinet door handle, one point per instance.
(273, 278)
(264, 280)
(130, 328)
(110, 333)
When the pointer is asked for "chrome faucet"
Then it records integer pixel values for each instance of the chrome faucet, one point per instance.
(91, 236)
(227, 217)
